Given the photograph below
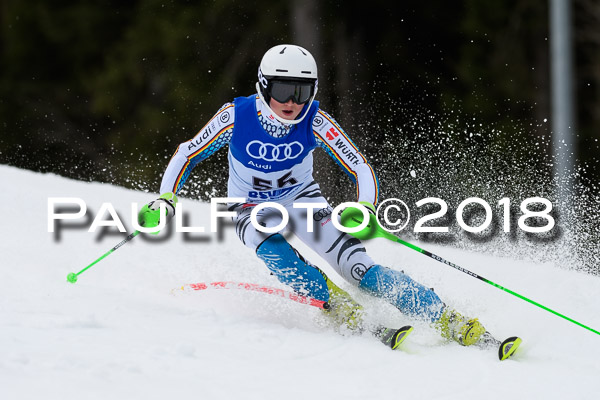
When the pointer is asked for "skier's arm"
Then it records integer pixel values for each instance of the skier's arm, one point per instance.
(213, 136)
(332, 138)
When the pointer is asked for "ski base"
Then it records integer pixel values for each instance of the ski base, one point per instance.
(393, 337)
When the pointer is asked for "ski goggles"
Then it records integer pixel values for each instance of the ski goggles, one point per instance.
(284, 91)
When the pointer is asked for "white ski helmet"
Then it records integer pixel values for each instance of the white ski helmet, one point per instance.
(287, 72)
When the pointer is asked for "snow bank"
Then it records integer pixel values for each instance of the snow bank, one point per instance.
(121, 333)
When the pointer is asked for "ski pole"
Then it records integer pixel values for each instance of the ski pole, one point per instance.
(353, 217)
(72, 277)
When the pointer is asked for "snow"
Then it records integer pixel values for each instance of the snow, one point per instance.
(121, 332)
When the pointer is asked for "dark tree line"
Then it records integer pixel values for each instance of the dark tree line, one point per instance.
(106, 90)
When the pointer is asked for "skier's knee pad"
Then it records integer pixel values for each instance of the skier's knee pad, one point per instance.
(290, 268)
(409, 296)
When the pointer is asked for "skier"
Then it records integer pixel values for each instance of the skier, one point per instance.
(272, 135)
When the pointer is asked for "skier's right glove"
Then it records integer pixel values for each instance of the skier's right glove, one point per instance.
(149, 215)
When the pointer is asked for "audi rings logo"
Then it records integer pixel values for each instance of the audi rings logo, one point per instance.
(274, 152)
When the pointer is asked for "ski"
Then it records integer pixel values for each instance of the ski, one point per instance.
(253, 287)
(392, 337)
(505, 348)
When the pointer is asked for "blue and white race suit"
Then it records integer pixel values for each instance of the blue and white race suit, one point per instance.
(270, 161)
(273, 162)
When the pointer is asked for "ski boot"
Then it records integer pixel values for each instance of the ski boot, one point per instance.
(343, 310)
(470, 332)
(454, 326)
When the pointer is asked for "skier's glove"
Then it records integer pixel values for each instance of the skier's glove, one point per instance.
(149, 215)
(352, 217)
(357, 215)
(369, 206)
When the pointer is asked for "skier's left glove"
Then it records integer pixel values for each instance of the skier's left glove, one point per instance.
(356, 214)
(353, 216)
(369, 206)
(149, 215)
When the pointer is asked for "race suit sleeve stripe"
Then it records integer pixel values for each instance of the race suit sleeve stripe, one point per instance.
(366, 171)
(332, 138)
(373, 177)
(212, 137)
(329, 150)
(198, 156)
(195, 154)
(341, 131)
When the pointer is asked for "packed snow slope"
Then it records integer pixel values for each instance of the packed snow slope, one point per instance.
(121, 332)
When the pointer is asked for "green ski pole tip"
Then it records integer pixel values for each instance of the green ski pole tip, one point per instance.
(72, 277)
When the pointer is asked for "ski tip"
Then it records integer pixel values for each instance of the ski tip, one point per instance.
(400, 335)
(508, 347)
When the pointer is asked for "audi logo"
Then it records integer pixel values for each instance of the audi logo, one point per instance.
(322, 213)
(274, 152)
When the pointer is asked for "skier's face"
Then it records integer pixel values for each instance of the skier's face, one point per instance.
(289, 110)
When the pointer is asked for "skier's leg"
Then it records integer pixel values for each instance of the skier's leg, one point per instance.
(346, 254)
(292, 269)
(349, 258)
(415, 299)
(281, 258)
(409, 296)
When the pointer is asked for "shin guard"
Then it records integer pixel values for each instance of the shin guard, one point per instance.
(291, 269)
(409, 296)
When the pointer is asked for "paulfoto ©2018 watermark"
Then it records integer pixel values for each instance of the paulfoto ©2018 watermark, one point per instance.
(393, 215)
